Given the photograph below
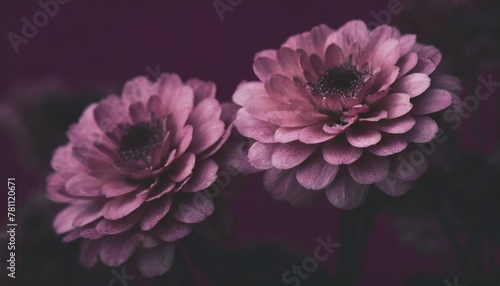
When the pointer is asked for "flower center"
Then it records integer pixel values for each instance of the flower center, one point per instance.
(342, 80)
(137, 140)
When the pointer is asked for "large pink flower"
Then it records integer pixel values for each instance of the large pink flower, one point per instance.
(137, 171)
(338, 110)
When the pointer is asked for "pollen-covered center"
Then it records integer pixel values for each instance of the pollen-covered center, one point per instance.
(137, 140)
(342, 80)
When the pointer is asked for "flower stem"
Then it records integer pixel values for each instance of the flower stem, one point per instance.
(347, 267)
(180, 274)
(493, 267)
(460, 255)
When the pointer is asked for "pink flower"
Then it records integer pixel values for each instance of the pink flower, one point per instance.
(137, 170)
(338, 110)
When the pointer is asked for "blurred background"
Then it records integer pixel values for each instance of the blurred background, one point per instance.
(89, 49)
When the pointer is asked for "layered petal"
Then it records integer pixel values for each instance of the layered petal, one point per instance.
(336, 107)
(136, 168)
(345, 193)
(316, 173)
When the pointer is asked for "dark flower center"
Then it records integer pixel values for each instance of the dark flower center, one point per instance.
(137, 140)
(342, 80)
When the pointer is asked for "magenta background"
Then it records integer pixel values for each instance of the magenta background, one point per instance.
(97, 42)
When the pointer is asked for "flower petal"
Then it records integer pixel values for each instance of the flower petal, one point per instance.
(145, 240)
(180, 100)
(387, 54)
(390, 144)
(55, 188)
(338, 151)
(394, 186)
(220, 225)
(413, 84)
(431, 101)
(265, 67)
(204, 174)
(110, 112)
(447, 82)
(272, 54)
(409, 165)
(356, 30)
(154, 106)
(260, 154)
(121, 206)
(138, 113)
(289, 155)
(429, 58)
(312, 42)
(208, 109)
(91, 213)
(287, 134)
(254, 128)
(396, 104)
(369, 169)
(202, 89)
(156, 261)
(314, 134)
(154, 212)
(193, 209)
(287, 90)
(83, 185)
(116, 249)
(315, 173)
(171, 230)
(247, 91)
(63, 160)
(186, 137)
(283, 185)
(406, 63)
(424, 66)
(182, 167)
(424, 130)
(385, 78)
(294, 118)
(206, 135)
(288, 60)
(407, 42)
(89, 251)
(112, 227)
(138, 90)
(363, 136)
(345, 193)
(65, 218)
(334, 56)
(117, 188)
(378, 36)
(398, 125)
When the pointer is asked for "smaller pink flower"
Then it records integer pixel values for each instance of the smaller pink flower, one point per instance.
(140, 172)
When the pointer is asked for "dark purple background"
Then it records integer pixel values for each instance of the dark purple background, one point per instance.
(97, 42)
